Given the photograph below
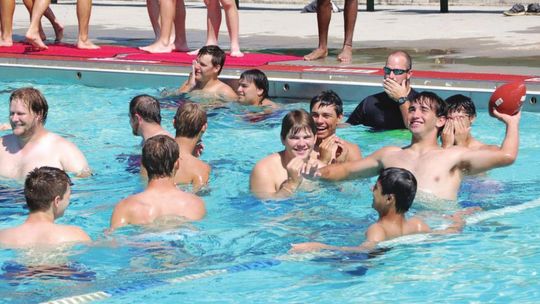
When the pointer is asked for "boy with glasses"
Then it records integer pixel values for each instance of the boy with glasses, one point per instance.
(388, 110)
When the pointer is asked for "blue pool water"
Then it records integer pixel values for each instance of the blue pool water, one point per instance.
(493, 260)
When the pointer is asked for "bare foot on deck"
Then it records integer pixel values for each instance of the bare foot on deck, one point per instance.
(180, 47)
(236, 53)
(58, 31)
(194, 52)
(346, 54)
(6, 43)
(157, 47)
(316, 54)
(35, 40)
(86, 45)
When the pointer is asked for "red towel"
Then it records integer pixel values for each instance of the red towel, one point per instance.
(69, 50)
(16, 48)
(249, 59)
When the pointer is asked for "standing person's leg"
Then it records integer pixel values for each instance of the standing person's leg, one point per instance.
(84, 10)
(29, 4)
(32, 34)
(7, 9)
(167, 14)
(324, 14)
(180, 40)
(213, 22)
(231, 16)
(57, 26)
(152, 6)
(349, 14)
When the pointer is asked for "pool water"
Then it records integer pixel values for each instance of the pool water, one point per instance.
(493, 260)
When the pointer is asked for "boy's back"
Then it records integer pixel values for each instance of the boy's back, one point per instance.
(386, 230)
(41, 234)
(145, 207)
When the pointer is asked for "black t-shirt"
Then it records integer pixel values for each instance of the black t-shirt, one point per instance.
(379, 111)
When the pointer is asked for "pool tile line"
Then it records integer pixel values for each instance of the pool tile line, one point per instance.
(150, 283)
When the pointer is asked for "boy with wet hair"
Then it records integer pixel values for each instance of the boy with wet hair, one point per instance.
(393, 195)
(253, 89)
(190, 123)
(161, 198)
(47, 191)
(31, 145)
(205, 70)
(327, 112)
(461, 113)
(145, 116)
(280, 174)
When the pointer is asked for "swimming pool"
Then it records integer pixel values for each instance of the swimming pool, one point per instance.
(246, 240)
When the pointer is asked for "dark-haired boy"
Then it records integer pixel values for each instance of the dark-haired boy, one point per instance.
(253, 89)
(47, 191)
(203, 78)
(461, 113)
(145, 117)
(327, 112)
(393, 195)
(160, 157)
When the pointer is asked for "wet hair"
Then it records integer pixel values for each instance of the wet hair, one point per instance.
(408, 59)
(189, 120)
(296, 121)
(159, 155)
(218, 55)
(328, 98)
(33, 99)
(402, 184)
(436, 103)
(42, 185)
(459, 102)
(147, 107)
(258, 78)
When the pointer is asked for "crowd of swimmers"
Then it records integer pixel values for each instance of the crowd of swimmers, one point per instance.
(441, 153)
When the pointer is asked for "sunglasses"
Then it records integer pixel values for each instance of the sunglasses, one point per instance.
(388, 70)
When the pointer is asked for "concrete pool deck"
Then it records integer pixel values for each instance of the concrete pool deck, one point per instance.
(472, 46)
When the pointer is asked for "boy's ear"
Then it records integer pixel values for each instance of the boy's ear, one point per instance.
(390, 199)
(56, 202)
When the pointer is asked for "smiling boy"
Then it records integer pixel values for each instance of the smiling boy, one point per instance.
(327, 112)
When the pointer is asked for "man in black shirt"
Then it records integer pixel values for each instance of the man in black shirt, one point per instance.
(388, 109)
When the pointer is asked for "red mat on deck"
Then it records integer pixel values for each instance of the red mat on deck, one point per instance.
(16, 48)
(69, 50)
(249, 59)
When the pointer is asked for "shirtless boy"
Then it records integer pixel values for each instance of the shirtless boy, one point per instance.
(31, 145)
(280, 174)
(161, 198)
(203, 78)
(393, 195)
(47, 191)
